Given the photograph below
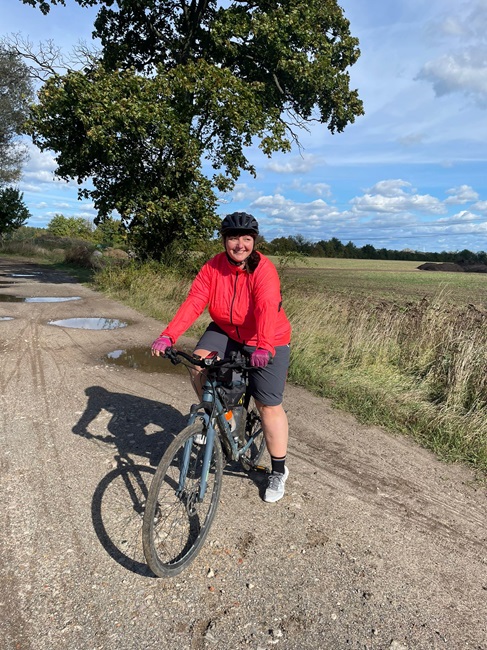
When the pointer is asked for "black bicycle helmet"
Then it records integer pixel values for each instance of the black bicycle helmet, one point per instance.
(239, 221)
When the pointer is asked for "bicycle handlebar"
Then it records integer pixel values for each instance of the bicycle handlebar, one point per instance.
(230, 363)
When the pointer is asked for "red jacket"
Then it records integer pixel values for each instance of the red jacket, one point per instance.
(246, 306)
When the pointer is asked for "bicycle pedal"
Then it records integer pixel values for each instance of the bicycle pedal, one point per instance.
(262, 468)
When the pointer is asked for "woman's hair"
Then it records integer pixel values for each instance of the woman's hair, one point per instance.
(252, 261)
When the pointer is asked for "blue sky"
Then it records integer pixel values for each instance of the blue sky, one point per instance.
(411, 173)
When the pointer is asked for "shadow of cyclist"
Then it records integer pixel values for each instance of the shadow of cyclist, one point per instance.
(138, 428)
(136, 425)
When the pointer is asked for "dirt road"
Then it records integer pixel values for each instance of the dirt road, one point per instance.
(376, 544)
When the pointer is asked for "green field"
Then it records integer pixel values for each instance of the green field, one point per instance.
(380, 280)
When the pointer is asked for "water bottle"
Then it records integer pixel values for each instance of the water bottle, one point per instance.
(230, 418)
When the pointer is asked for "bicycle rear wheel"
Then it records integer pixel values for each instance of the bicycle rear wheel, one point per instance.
(253, 429)
(176, 522)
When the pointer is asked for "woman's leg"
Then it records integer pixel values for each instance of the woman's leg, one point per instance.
(275, 427)
(198, 375)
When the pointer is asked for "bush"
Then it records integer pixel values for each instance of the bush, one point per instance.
(29, 249)
(80, 256)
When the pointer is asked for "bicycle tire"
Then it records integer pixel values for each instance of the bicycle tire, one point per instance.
(253, 427)
(175, 526)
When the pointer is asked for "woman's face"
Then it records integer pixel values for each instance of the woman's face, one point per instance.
(239, 247)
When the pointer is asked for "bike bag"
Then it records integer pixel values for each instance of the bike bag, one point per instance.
(232, 394)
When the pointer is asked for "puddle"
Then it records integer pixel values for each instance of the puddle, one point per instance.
(5, 298)
(22, 275)
(141, 359)
(51, 299)
(6, 318)
(90, 323)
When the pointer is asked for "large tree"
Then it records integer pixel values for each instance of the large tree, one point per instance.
(13, 211)
(183, 87)
(15, 96)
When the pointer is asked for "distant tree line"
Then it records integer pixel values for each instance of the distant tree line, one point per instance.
(335, 248)
(112, 233)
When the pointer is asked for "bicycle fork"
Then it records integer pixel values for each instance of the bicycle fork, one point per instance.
(209, 432)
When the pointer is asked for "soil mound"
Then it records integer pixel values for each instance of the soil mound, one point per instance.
(453, 267)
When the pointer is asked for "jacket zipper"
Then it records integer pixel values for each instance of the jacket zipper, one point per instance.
(232, 303)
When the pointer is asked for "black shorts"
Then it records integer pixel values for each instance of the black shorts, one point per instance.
(266, 384)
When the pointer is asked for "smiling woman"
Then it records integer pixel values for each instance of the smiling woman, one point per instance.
(241, 289)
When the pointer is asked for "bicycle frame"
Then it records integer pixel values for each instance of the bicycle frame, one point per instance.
(210, 411)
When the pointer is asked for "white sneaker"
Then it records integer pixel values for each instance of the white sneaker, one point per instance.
(275, 486)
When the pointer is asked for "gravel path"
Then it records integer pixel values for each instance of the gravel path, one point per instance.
(376, 545)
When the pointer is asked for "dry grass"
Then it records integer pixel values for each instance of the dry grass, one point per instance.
(418, 369)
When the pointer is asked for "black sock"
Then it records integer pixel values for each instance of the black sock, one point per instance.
(278, 464)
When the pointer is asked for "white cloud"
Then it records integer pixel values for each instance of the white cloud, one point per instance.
(296, 165)
(389, 188)
(61, 204)
(313, 189)
(283, 210)
(462, 68)
(462, 194)
(464, 72)
(480, 206)
(463, 216)
(40, 175)
(240, 193)
(389, 196)
(39, 160)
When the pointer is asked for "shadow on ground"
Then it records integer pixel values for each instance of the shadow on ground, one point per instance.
(137, 428)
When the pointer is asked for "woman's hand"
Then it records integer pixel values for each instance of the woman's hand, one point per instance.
(160, 345)
(259, 358)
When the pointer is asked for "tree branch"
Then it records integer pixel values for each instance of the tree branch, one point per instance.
(47, 59)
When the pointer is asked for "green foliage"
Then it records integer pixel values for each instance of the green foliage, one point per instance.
(110, 232)
(13, 211)
(183, 84)
(77, 227)
(26, 232)
(15, 96)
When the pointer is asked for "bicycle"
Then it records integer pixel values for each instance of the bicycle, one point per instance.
(184, 493)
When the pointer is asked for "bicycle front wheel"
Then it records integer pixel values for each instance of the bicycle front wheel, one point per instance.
(176, 522)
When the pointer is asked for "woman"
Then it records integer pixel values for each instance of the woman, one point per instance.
(242, 291)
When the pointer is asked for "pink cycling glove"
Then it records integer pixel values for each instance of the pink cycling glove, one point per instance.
(259, 358)
(160, 345)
